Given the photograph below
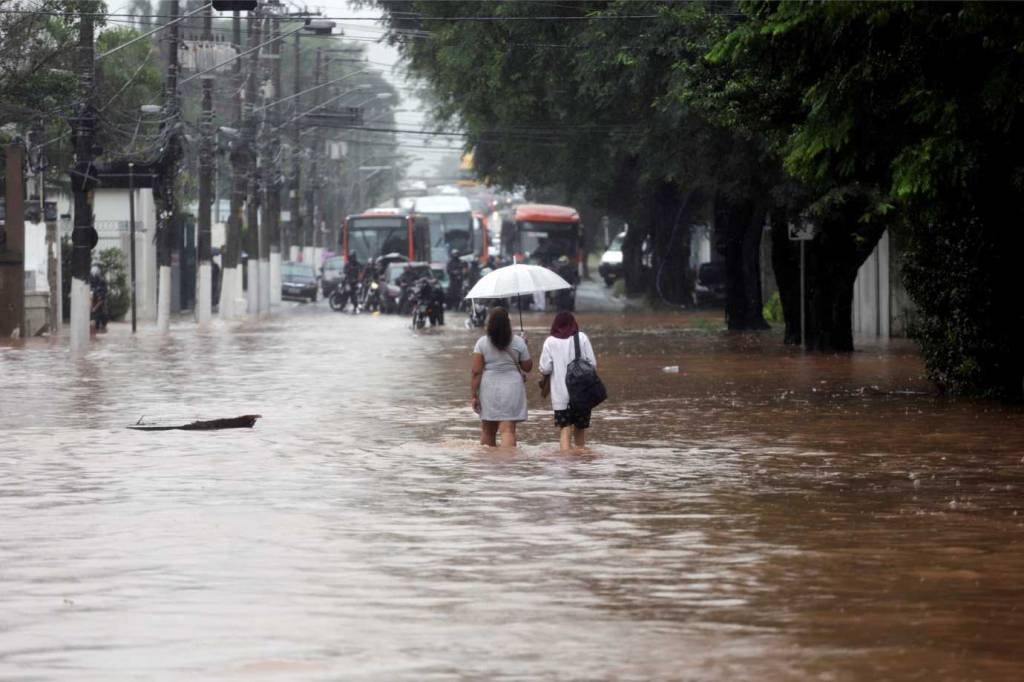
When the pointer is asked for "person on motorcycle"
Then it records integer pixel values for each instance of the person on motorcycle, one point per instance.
(456, 272)
(353, 272)
(99, 288)
(565, 299)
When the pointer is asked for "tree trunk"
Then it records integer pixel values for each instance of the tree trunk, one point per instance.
(786, 262)
(738, 227)
(837, 251)
(670, 218)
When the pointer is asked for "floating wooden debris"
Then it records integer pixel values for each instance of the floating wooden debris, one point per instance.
(246, 421)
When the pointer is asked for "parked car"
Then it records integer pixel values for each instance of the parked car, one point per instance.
(610, 268)
(709, 288)
(298, 281)
(330, 274)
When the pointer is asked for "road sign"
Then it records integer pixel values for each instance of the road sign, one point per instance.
(802, 231)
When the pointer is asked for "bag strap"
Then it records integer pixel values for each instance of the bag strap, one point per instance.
(576, 342)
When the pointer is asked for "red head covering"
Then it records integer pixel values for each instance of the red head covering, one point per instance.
(564, 325)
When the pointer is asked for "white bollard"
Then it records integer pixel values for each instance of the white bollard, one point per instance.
(264, 292)
(81, 304)
(227, 294)
(252, 293)
(204, 304)
(163, 300)
(275, 277)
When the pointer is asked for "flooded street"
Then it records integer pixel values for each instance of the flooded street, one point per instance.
(759, 514)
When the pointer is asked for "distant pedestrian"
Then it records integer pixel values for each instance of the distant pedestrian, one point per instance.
(498, 394)
(559, 350)
(100, 312)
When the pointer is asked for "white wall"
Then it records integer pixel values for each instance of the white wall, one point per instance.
(111, 205)
(871, 294)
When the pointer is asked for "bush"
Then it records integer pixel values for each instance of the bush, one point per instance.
(963, 275)
(111, 261)
(773, 309)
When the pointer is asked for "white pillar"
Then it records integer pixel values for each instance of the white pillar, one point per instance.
(275, 277)
(264, 292)
(293, 253)
(307, 254)
(81, 304)
(163, 300)
(205, 302)
(252, 294)
(227, 293)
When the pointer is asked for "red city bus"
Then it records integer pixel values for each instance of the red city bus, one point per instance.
(541, 233)
(380, 231)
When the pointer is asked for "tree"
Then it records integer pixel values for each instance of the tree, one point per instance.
(583, 104)
(903, 115)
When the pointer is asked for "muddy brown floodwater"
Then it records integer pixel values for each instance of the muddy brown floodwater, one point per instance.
(758, 515)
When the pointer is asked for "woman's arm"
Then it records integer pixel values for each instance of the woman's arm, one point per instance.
(546, 363)
(477, 373)
(587, 351)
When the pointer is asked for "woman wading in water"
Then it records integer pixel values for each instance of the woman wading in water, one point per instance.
(559, 350)
(497, 390)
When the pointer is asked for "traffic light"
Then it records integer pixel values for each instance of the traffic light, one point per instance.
(234, 5)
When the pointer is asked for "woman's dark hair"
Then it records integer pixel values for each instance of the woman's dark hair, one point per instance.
(499, 329)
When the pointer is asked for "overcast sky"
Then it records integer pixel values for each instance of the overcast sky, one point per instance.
(362, 25)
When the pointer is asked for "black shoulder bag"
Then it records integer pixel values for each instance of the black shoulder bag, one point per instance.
(586, 390)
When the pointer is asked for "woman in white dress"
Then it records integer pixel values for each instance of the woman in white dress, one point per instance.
(497, 391)
(559, 350)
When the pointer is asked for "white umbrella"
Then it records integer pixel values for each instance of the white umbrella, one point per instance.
(517, 280)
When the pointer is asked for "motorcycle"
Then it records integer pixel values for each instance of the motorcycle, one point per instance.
(369, 299)
(477, 315)
(341, 295)
(427, 304)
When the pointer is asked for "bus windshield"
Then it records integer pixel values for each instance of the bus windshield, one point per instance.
(448, 232)
(544, 243)
(373, 237)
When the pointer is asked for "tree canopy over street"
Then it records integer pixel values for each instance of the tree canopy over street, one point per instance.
(853, 118)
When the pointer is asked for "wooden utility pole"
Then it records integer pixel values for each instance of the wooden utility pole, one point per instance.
(298, 235)
(230, 288)
(273, 184)
(204, 301)
(12, 250)
(167, 176)
(313, 183)
(250, 128)
(83, 180)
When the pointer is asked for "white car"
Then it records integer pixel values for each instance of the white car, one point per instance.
(610, 268)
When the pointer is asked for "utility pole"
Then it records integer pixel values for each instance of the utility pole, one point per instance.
(204, 300)
(297, 233)
(249, 133)
(167, 176)
(231, 286)
(313, 183)
(83, 181)
(273, 183)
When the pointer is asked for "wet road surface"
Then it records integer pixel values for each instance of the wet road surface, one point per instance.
(758, 514)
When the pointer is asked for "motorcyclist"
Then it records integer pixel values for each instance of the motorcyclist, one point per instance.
(353, 272)
(99, 288)
(456, 273)
(565, 299)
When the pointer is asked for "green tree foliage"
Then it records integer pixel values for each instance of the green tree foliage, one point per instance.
(909, 116)
(126, 80)
(584, 103)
